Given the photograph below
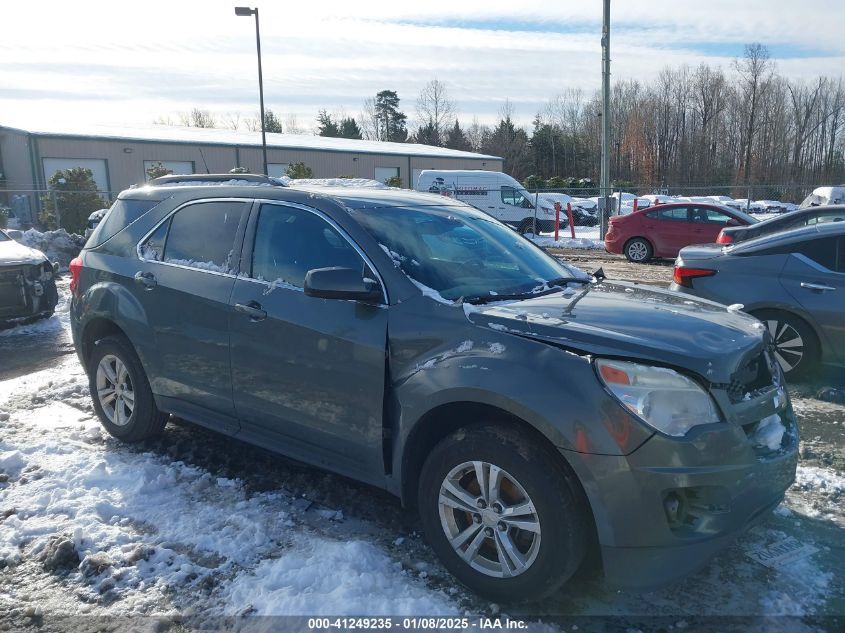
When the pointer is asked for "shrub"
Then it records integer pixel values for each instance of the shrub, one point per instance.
(156, 170)
(393, 181)
(73, 194)
(299, 170)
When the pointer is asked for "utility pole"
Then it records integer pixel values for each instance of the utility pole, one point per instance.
(604, 184)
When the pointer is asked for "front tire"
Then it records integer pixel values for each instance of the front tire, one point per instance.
(121, 392)
(638, 250)
(797, 348)
(503, 513)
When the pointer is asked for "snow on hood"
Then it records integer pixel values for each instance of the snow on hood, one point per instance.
(12, 252)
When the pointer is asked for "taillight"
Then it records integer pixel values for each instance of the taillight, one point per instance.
(724, 238)
(683, 276)
(75, 270)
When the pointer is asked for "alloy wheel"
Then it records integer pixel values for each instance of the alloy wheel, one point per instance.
(114, 390)
(789, 346)
(489, 519)
(637, 251)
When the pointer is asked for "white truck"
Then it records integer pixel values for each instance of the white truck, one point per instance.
(493, 192)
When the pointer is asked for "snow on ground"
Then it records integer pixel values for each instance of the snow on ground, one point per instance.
(198, 523)
(585, 237)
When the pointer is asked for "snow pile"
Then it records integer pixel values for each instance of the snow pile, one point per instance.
(133, 531)
(341, 578)
(59, 245)
(584, 238)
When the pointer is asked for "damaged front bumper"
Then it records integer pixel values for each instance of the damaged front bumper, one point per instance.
(666, 509)
(27, 290)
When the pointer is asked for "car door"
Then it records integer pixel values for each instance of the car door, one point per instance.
(186, 273)
(814, 275)
(705, 224)
(308, 373)
(668, 229)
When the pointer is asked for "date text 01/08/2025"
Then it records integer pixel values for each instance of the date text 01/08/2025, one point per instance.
(416, 623)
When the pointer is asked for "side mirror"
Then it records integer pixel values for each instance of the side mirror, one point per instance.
(341, 283)
(55, 268)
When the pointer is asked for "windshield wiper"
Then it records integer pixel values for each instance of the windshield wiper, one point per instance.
(562, 281)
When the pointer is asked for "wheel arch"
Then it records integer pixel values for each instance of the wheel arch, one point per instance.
(443, 419)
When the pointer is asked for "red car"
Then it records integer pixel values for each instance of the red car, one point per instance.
(664, 229)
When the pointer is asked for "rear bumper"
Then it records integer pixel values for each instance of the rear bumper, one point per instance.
(613, 244)
(723, 487)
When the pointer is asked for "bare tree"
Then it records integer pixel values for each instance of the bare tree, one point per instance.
(755, 70)
(198, 118)
(435, 110)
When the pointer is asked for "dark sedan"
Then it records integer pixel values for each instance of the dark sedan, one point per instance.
(793, 281)
(794, 220)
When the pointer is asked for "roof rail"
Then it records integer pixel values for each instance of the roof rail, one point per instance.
(203, 179)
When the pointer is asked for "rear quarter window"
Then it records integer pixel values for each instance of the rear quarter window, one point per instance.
(121, 214)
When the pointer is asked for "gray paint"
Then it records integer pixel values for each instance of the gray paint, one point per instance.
(379, 371)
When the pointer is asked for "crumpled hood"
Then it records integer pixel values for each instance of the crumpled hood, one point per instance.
(634, 321)
(12, 253)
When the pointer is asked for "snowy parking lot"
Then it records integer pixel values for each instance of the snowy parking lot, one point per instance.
(194, 526)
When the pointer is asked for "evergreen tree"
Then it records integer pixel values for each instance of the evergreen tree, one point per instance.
(325, 125)
(391, 121)
(427, 135)
(456, 139)
(272, 123)
(348, 128)
(299, 170)
(157, 170)
(73, 193)
(511, 143)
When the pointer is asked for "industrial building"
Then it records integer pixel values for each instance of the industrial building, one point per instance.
(120, 156)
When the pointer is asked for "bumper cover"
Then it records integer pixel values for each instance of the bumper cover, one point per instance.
(724, 486)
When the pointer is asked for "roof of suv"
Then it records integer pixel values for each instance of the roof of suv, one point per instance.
(353, 197)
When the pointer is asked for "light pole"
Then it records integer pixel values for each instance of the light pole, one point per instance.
(246, 12)
(605, 117)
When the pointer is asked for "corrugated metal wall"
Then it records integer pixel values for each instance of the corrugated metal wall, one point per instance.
(125, 159)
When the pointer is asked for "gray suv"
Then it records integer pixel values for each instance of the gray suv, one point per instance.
(528, 411)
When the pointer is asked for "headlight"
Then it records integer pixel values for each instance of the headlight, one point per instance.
(662, 398)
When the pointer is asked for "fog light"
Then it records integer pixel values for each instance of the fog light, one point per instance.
(673, 507)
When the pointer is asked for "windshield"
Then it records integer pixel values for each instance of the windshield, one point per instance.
(461, 253)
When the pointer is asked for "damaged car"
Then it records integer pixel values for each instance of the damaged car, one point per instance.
(27, 281)
(531, 413)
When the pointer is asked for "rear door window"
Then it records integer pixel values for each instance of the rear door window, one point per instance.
(708, 216)
(820, 250)
(200, 235)
(289, 242)
(674, 214)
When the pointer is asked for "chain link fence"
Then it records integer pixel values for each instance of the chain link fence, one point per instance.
(48, 209)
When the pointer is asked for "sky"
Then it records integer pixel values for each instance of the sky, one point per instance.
(125, 62)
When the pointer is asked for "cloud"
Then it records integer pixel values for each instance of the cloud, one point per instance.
(113, 63)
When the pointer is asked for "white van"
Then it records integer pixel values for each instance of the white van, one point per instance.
(493, 192)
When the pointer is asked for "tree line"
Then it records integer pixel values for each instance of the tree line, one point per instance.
(690, 127)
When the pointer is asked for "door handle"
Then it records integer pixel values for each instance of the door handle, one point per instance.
(816, 287)
(148, 280)
(252, 309)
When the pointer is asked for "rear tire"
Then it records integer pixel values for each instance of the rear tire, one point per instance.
(797, 347)
(121, 392)
(527, 226)
(638, 250)
(493, 555)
